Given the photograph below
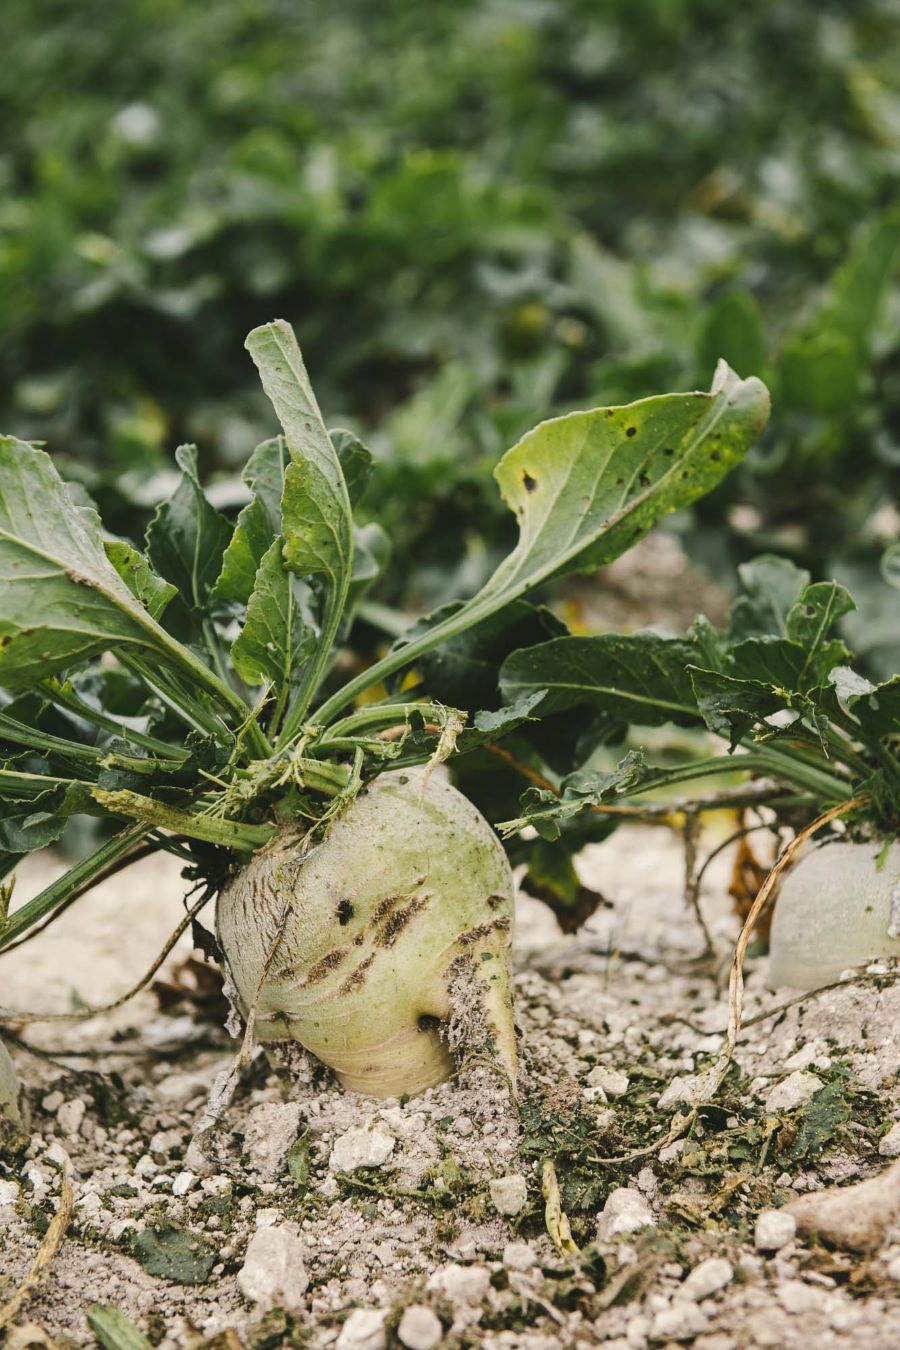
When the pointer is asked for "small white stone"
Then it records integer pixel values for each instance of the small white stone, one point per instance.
(804, 1057)
(176, 1089)
(70, 1115)
(183, 1183)
(893, 1270)
(217, 1185)
(420, 1328)
(671, 1151)
(35, 1176)
(265, 1218)
(273, 1274)
(681, 1321)
(775, 1228)
(53, 1101)
(271, 1129)
(461, 1284)
(509, 1194)
(56, 1153)
(519, 1256)
(363, 1330)
(9, 1192)
(163, 1142)
(625, 1211)
(707, 1278)
(89, 1205)
(793, 1091)
(361, 1147)
(799, 1298)
(612, 1082)
(889, 1146)
(681, 1089)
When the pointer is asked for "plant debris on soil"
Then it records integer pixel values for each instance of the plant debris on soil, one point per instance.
(332, 1219)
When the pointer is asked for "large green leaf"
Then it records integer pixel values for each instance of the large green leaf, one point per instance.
(140, 578)
(878, 709)
(187, 537)
(316, 515)
(639, 678)
(587, 486)
(279, 634)
(258, 524)
(61, 598)
(316, 518)
(771, 586)
(29, 825)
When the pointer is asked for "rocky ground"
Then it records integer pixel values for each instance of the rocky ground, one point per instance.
(327, 1219)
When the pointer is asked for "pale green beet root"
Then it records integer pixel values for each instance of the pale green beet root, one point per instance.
(12, 1121)
(396, 938)
(836, 909)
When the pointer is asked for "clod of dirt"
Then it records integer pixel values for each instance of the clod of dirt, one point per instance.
(271, 1129)
(420, 1328)
(858, 1217)
(775, 1228)
(792, 1092)
(625, 1211)
(707, 1278)
(681, 1321)
(509, 1194)
(273, 1274)
(461, 1284)
(889, 1147)
(364, 1330)
(361, 1147)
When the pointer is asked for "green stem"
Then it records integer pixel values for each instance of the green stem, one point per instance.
(390, 621)
(33, 784)
(184, 660)
(316, 666)
(456, 623)
(827, 787)
(379, 715)
(75, 881)
(233, 834)
(52, 746)
(45, 743)
(64, 698)
(329, 779)
(184, 705)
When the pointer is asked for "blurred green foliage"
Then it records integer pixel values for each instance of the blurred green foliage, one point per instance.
(474, 215)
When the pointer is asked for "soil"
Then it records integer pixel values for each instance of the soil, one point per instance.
(625, 1003)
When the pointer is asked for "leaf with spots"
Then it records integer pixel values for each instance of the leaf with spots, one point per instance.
(587, 486)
